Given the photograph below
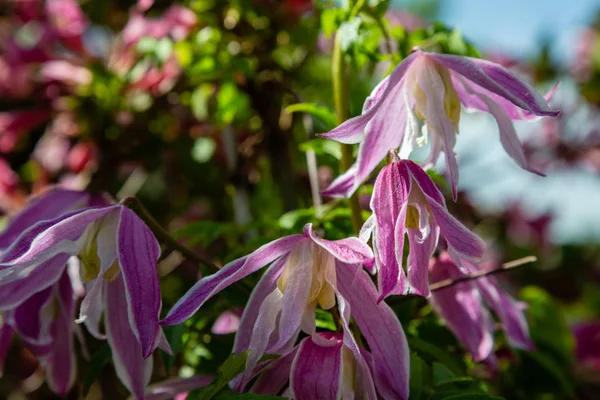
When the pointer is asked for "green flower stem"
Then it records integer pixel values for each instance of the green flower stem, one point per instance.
(342, 109)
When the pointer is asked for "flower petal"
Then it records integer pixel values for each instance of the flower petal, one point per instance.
(382, 330)
(131, 367)
(275, 376)
(389, 200)
(351, 130)
(496, 79)
(170, 388)
(14, 293)
(421, 251)
(32, 320)
(48, 205)
(230, 273)
(138, 254)
(350, 250)
(317, 371)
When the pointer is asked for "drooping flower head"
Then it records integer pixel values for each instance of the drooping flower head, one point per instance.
(307, 271)
(465, 308)
(406, 201)
(117, 255)
(430, 88)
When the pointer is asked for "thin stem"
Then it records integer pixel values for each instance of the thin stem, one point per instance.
(165, 237)
(505, 267)
(342, 109)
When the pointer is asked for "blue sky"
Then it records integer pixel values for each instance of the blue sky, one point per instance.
(516, 26)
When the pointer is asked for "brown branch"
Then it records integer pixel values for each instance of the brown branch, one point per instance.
(505, 267)
(165, 237)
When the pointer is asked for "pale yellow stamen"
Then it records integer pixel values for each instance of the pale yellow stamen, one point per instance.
(412, 217)
(112, 273)
(90, 262)
(323, 274)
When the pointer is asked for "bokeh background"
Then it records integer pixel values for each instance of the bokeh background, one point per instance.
(185, 106)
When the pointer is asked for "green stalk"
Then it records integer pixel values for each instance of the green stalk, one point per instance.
(342, 110)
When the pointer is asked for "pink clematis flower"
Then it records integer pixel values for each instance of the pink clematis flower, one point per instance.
(307, 271)
(431, 87)
(406, 201)
(118, 256)
(463, 307)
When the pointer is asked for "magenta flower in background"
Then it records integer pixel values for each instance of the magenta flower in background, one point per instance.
(118, 256)
(587, 340)
(406, 201)
(465, 308)
(306, 271)
(17, 123)
(430, 87)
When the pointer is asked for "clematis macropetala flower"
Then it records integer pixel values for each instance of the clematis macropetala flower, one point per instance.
(117, 254)
(307, 271)
(406, 201)
(466, 306)
(431, 87)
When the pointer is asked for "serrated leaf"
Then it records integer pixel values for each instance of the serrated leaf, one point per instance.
(321, 113)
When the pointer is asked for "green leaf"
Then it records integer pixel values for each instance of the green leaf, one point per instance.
(174, 335)
(441, 374)
(322, 146)
(199, 101)
(321, 113)
(232, 367)
(417, 376)
(324, 320)
(100, 358)
(146, 45)
(203, 233)
(292, 219)
(468, 396)
(437, 353)
(329, 21)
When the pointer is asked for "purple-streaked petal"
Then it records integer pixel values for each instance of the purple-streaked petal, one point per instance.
(46, 239)
(275, 376)
(498, 80)
(61, 368)
(460, 306)
(421, 251)
(508, 135)
(32, 319)
(230, 273)
(424, 182)
(390, 196)
(265, 286)
(436, 118)
(317, 371)
(381, 328)
(343, 184)
(48, 205)
(138, 253)
(170, 388)
(363, 379)
(131, 367)
(462, 240)
(14, 293)
(350, 131)
(297, 291)
(509, 311)
(6, 336)
(350, 250)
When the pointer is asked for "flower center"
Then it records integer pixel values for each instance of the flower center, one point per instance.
(323, 276)
(425, 77)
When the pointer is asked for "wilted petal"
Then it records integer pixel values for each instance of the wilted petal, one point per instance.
(498, 80)
(382, 330)
(317, 371)
(350, 250)
(138, 253)
(230, 273)
(131, 367)
(170, 388)
(48, 205)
